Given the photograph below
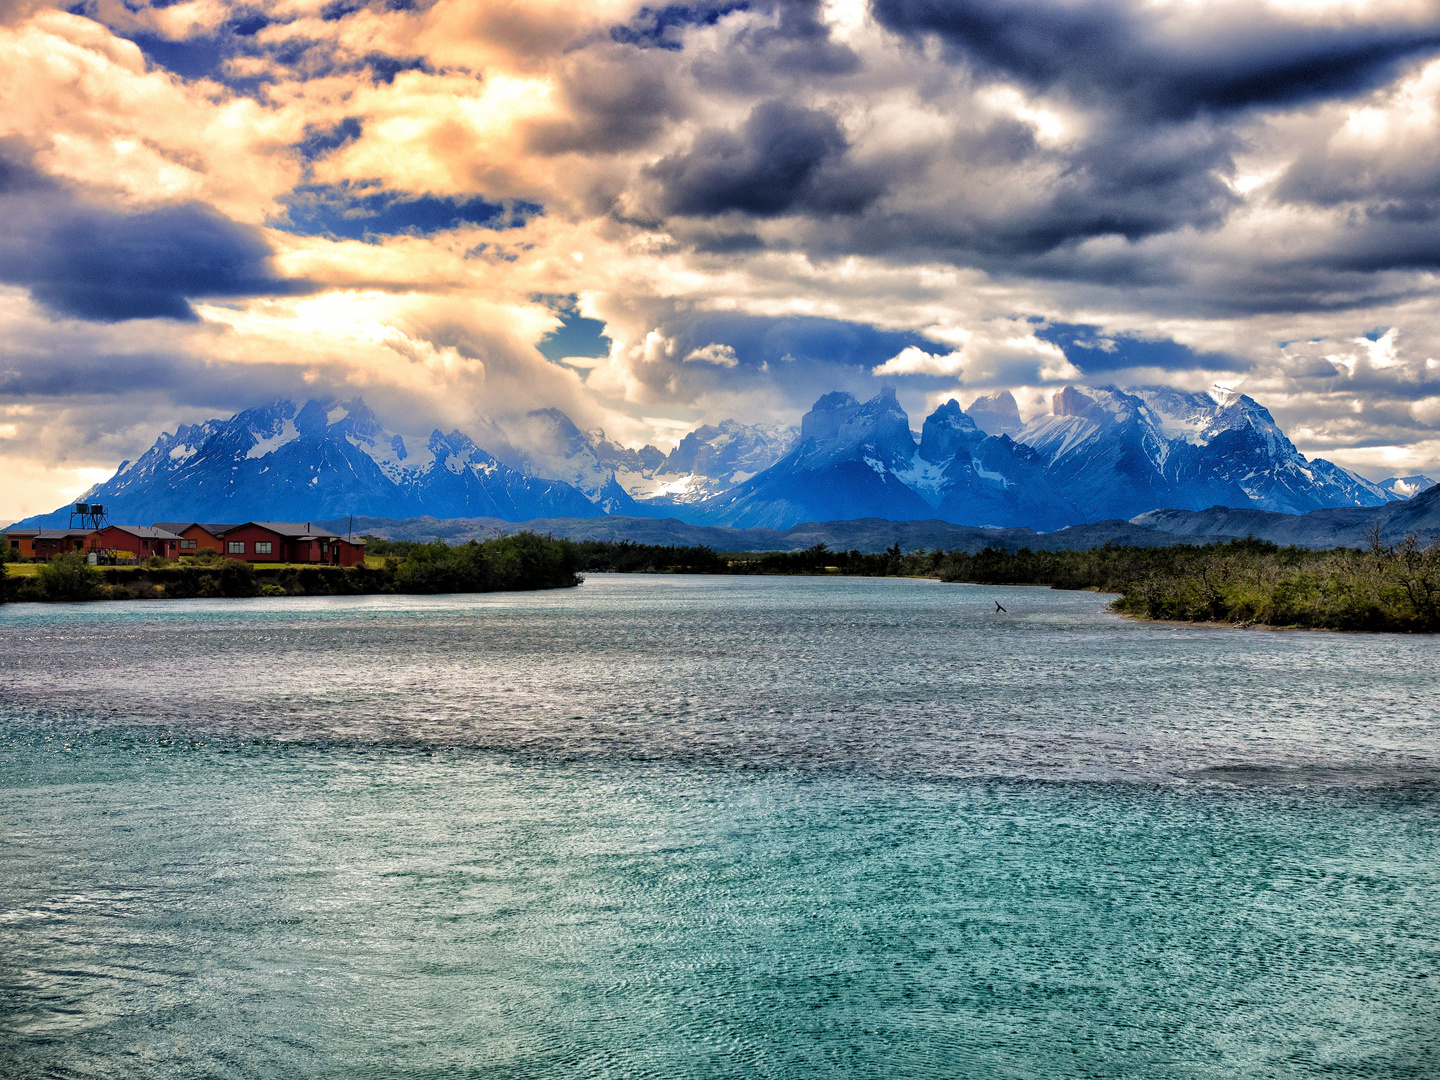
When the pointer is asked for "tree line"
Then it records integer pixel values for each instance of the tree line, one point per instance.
(522, 561)
(1381, 587)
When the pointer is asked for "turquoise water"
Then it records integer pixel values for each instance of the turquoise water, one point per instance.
(691, 827)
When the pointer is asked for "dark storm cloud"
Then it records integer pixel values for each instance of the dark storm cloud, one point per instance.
(31, 371)
(87, 261)
(1153, 155)
(1392, 190)
(1125, 53)
(615, 99)
(795, 47)
(1121, 182)
(783, 158)
(366, 211)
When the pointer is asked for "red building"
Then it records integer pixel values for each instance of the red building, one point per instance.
(142, 541)
(47, 543)
(196, 536)
(289, 541)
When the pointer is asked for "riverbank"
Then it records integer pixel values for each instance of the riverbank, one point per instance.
(515, 563)
(1392, 587)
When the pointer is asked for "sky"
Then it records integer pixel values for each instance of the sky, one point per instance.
(655, 216)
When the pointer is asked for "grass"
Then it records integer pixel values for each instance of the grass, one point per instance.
(30, 569)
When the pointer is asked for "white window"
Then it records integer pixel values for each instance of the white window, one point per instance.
(235, 547)
(262, 547)
(187, 545)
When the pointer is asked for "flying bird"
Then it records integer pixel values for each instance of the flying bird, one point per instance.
(999, 608)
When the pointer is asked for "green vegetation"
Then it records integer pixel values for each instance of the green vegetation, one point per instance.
(519, 562)
(1388, 587)
(625, 557)
(508, 563)
(398, 549)
(68, 577)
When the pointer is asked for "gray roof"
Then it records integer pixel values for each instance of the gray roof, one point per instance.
(51, 534)
(294, 530)
(178, 527)
(149, 531)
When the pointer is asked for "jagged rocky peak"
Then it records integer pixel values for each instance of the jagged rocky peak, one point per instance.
(838, 425)
(1102, 405)
(947, 431)
(729, 448)
(996, 414)
(826, 416)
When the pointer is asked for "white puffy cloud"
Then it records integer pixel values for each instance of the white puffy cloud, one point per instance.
(1001, 353)
(714, 353)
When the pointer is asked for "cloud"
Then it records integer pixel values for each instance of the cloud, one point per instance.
(659, 28)
(714, 353)
(442, 205)
(1001, 353)
(913, 360)
(1147, 61)
(783, 158)
(82, 259)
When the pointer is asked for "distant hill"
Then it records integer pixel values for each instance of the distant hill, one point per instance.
(1338, 527)
(868, 535)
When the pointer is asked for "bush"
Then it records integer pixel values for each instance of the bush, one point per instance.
(1245, 581)
(523, 561)
(68, 577)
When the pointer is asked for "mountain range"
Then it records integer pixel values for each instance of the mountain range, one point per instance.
(1102, 453)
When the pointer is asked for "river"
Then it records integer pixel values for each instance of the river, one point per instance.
(712, 827)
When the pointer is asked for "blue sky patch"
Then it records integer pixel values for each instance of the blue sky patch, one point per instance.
(658, 28)
(366, 211)
(1096, 353)
(321, 141)
(577, 336)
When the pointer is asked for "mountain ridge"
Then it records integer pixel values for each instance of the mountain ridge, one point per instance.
(1102, 453)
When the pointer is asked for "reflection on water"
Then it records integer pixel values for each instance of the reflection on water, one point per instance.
(683, 827)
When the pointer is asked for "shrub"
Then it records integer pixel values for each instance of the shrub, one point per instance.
(523, 561)
(68, 577)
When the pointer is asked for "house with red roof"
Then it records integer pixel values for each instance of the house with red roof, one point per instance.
(290, 542)
(141, 541)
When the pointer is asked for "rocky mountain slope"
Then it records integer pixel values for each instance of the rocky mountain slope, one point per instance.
(1100, 454)
(709, 460)
(323, 459)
